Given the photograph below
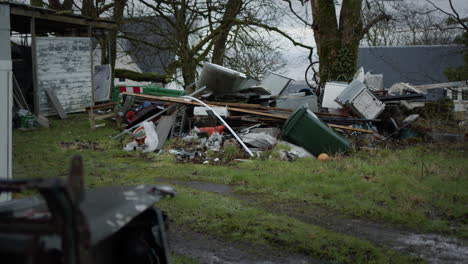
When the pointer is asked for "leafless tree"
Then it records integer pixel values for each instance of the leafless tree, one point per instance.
(411, 24)
(216, 31)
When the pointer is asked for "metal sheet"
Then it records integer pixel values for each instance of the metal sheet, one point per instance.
(361, 100)
(366, 105)
(102, 82)
(6, 100)
(332, 90)
(64, 66)
(275, 83)
(294, 102)
(222, 80)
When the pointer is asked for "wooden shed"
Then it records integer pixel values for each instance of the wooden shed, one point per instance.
(50, 44)
(61, 53)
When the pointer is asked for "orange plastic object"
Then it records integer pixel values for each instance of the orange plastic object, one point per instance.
(211, 130)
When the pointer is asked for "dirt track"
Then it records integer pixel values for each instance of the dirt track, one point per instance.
(432, 247)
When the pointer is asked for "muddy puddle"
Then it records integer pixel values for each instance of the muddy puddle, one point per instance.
(210, 250)
(437, 249)
(431, 247)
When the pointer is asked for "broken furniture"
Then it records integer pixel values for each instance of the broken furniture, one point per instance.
(101, 112)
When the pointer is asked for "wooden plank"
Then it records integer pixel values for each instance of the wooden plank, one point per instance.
(256, 113)
(164, 99)
(63, 65)
(108, 105)
(330, 114)
(351, 128)
(254, 106)
(182, 101)
(56, 103)
(81, 21)
(104, 116)
(36, 95)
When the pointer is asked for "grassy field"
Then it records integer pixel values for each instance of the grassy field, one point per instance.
(422, 188)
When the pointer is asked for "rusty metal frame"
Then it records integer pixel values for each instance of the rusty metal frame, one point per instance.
(65, 220)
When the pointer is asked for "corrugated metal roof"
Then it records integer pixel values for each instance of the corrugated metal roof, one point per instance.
(412, 64)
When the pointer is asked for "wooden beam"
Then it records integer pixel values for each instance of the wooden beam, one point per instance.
(41, 14)
(256, 113)
(275, 116)
(36, 100)
(91, 53)
(253, 106)
(351, 128)
(56, 103)
(182, 101)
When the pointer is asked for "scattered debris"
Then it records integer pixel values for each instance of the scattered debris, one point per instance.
(235, 115)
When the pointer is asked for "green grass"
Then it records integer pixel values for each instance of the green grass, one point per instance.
(179, 259)
(229, 218)
(422, 187)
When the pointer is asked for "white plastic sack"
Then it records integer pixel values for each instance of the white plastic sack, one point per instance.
(151, 140)
(259, 140)
(296, 150)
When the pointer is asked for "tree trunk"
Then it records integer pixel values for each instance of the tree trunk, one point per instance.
(119, 6)
(233, 8)
(141, 77)
(350, 36)
(56, 5)
(337, 45)
(103, 42)
(88, 9)
(326, 36)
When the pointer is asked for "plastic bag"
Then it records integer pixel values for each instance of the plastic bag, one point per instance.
(146, 138)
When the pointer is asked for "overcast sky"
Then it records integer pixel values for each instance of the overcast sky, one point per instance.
(297, 57)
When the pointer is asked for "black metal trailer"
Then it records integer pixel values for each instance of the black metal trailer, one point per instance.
(68, 224)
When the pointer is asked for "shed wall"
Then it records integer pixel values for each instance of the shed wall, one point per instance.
(64, 65)
(6, 100)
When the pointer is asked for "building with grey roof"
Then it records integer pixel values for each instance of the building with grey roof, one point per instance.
(149, 58)
(411, 64)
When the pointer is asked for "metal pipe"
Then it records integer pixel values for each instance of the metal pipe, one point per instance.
(222, 121)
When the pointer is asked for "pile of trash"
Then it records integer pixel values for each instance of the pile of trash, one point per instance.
(233, 117)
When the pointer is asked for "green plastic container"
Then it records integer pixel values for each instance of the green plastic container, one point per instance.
(27, 121)
(162, 91)
(304, 129)
(148, 90)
